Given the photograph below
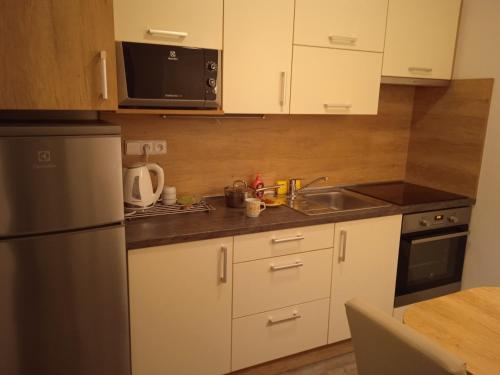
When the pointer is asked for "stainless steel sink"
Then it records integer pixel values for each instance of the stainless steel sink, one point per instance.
(321, 202)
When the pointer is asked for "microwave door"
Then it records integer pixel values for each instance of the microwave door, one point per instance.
(163, 76)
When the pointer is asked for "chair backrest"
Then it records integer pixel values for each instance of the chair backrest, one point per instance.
(384, 346)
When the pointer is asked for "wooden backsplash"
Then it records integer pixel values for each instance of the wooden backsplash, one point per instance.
(447, 135)
(205, 154)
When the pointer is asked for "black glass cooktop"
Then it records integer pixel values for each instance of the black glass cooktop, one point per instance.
(402, 193)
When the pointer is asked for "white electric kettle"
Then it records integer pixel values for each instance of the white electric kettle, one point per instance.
(138, 187)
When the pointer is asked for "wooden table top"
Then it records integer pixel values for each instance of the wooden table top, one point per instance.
(466, 323)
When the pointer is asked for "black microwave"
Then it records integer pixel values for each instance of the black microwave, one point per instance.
(164, 76)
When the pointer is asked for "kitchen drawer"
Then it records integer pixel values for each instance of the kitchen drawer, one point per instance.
(282, 242)
(345, 24)
(267, 284)
(274, 334)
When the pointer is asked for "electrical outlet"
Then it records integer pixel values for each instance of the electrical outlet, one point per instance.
(137, 147)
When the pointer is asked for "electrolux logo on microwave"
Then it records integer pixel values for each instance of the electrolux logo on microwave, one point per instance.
(172, 56)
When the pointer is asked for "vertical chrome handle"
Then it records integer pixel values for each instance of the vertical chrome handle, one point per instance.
(104, 75)
(343, 246)
(223, 265)
(283, 89)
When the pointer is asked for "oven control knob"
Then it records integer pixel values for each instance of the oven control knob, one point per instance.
(212, 66)
(212, 82)
(425, 223)
(453, 219)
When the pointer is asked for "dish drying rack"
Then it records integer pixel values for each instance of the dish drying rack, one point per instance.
(160, 209)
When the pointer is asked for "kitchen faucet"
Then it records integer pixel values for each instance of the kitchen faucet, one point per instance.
(292, 185)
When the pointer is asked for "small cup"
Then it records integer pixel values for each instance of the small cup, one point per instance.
(169, 195)
(283, 187)
(254, 207)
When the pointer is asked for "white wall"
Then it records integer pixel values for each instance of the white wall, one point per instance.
(478, 56)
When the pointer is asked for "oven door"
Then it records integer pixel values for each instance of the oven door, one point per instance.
(431, 259)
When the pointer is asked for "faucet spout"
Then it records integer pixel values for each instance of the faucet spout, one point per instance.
(292, 185)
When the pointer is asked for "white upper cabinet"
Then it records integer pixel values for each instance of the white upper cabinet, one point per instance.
(190, 23)
(334, 81)
(346, 24)
(421, 37)
(257, 56)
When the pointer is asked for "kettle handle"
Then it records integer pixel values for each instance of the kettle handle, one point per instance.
(158, 171)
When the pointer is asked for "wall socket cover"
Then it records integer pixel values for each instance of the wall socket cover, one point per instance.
(137, 147)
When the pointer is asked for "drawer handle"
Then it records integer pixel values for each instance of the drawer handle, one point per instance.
(415, 69)
(175, 34)
(298, 237)
(340, 39)
(295, 316)
(297, 264)
(337, 105)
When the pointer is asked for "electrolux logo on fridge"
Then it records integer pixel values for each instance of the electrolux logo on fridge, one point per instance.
(44, 160)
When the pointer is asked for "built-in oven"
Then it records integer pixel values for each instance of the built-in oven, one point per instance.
(431, 254)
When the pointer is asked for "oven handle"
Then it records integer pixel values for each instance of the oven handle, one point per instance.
(437, 238)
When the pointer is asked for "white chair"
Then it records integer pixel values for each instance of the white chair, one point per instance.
(384, 346)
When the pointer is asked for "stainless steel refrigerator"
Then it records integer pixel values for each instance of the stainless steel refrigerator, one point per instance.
(63, 280)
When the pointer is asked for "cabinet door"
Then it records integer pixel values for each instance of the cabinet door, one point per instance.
(346, 24)
(51, 57)
(365, 261)
(180, 308)
(421, 37)
(333, 81)
(257, 56)
(190, 23)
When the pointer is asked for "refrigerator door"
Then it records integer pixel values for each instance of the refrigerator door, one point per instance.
(59, 178)
(64, 304)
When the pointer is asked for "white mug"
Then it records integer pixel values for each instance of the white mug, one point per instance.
(254, 207)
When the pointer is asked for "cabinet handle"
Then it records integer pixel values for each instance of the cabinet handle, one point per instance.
(283, 89)
(295, 315)
(415, 69)
(104, 75)
(298, 237)
(223, 266)
(340, 39)
(176, 34)
(343, 246)
(337, 105)
(297, 264)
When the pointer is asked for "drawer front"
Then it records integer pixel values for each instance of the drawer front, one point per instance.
(279, 333)
(268, 284)
(282, 242)
(345, 24)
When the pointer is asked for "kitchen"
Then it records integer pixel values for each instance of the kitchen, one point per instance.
(364, 93)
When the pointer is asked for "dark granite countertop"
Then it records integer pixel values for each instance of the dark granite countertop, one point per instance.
(225, 221)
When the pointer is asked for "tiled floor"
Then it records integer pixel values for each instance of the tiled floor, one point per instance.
(341, 365)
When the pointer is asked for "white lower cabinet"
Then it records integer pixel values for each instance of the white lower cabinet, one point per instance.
(278, 333)
(180, 308)
(365, 261)
(196, 309)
